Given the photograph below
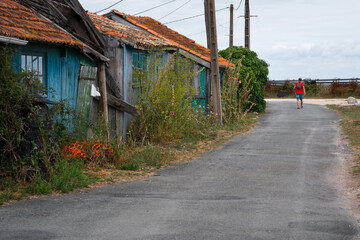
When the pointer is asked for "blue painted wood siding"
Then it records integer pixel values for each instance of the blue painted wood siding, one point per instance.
(61, 69)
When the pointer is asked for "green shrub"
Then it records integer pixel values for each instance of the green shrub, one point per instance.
(150, 156)
(165, 101)
(130, 166)
(7, 196)
(235, 93)
(38, 186)
(68, 176)
(254, 69)
(287, 86)
(15, 108)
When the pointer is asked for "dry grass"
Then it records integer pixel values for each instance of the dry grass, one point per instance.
(350, 125)
(175, 152)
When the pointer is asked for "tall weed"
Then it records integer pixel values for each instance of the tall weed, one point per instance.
(165, 101)
(235, 94)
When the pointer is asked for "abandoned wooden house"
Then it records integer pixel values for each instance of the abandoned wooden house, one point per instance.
(129, 50)
(183, 45)
(58, 41)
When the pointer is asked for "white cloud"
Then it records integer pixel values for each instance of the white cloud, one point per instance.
(318, 38)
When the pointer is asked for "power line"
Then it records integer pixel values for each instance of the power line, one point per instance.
(221, 25)
(153, 7)
(238, 6)
(109, 6)
(199, 15)
(174, 10)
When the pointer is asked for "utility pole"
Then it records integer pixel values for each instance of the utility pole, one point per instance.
(231, 34)
(247, 24)
(215, 76)
(207, 23)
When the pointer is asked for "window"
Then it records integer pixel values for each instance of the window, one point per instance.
(33, 63)
(139, 66)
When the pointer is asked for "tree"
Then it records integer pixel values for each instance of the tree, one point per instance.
(254, 68)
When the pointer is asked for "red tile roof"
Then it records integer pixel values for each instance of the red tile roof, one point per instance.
(177, 39)
(132, 35)
(20, 22)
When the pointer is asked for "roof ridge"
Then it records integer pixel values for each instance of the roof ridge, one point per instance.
(161, 30)
(150, 18)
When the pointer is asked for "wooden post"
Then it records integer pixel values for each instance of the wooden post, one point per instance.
(207, 23)
(231, 34)
(247, 24)
(103, 93)
(215, 76)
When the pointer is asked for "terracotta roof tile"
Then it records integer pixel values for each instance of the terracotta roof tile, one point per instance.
(130, 34)
(20, 22)
(177, 39)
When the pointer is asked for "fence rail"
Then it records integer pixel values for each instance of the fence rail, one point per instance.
(318, 81)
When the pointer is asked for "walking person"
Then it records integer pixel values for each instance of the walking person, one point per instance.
(299, 89)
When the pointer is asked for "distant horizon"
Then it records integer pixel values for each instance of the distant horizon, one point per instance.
(354, 78)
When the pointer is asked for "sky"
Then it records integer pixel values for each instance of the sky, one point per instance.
(315, 39)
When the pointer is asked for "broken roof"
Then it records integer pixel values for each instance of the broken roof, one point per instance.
(137, 38)
(175, 38)
(70, 16)
(20, 22)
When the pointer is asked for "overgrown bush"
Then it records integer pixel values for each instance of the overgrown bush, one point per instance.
(166, 95)
(16, 107)
(344, 89)
(31, 132)
(252, 68)
(235, 93)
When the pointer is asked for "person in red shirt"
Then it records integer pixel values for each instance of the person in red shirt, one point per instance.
(299, 89)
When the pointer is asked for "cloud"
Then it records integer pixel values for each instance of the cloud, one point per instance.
(319, 38)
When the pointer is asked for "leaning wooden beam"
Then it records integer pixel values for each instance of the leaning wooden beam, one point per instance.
(120, 105)
(112, 84)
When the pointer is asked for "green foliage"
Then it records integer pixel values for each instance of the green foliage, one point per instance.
(68, 176)
(149, 155)
(165, 100)
(6, 197)
(287, 86)
(235, 93)
(15, 108)
(344, 89)
(38, 187)
(31, 137)
(254, 69)
(130, 166)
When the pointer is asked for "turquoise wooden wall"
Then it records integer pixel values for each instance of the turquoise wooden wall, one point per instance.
(61, 69)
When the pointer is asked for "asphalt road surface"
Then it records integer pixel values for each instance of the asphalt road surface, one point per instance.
(270, 184)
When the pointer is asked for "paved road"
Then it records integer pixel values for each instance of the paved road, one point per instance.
(269, 184)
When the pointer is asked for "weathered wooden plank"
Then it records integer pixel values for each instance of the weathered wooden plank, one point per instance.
(112, 122)
(110, 82)
(88, 73)
(120, 105)
(83, 102)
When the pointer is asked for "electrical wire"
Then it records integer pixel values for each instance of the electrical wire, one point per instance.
(110, 6)
(199, 15)
(174, 10)
(238, 6)
(153, 7)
